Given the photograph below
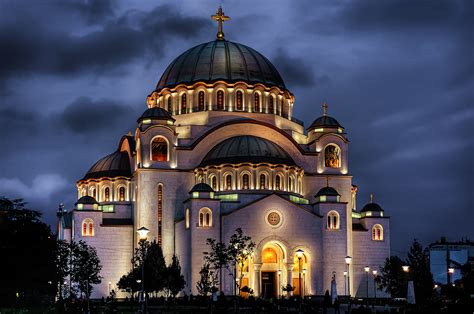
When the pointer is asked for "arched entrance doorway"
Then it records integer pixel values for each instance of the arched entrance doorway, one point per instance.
(273, 257)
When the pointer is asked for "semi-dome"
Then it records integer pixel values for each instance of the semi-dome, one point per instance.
(371, 207)
(220, 60)
(156, 113)
(247, 148)
(325, 122)
(116, 164)
(327, 191)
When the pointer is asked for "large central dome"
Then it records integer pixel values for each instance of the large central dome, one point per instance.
(220, 60)
(247, 148)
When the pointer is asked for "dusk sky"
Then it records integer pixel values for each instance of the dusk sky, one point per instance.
(398, 75)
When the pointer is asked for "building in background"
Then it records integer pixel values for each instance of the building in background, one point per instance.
(217, 149)
(445, 255)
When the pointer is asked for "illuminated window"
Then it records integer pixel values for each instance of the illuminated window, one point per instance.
(170, 105)
(270, 105)
(292, 184)
(160, 214)
(333, 220)
(184, 103)
(107, 194)
(377, 233)
(187, 218)
(263, 181)
(332, 156)
(239, 100)
(245, 182)
(220, 100)
(256, 99)
(228, 182)
(122, 194)
(159, 149)
(205, 217)
(269, 255)
(201, 101)
(278, 182)
(214, 183)
(87, 227)
(93, 192)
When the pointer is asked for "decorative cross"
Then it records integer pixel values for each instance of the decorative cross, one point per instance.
(220, 18)
(325, 109)
(371, 197)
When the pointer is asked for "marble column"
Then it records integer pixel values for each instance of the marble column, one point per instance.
(289, 273)
(256, 279)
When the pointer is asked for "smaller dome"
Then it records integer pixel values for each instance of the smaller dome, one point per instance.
(327, 191)
(87, 200)
(202, 187)
(372, 207)
(325, 121)
(116, 164)
(156, 113)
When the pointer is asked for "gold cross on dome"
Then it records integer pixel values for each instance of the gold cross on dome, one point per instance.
(371, 197)
(325, 109)
(220, 18)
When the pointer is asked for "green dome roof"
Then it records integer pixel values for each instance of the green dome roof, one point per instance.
(249, 149)
(325, 121)
(116, 164)
(156, 113)
(220, 60)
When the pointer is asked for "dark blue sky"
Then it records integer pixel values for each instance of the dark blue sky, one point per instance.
(399, 75)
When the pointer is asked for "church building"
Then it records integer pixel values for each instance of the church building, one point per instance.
(218, 148)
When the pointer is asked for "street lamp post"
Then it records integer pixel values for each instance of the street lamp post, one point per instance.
(345, 282)
(142, 233)
(279, 283)
(367, 269)
(348, 261)
(450, 275)
(299, 254)
(374, 273)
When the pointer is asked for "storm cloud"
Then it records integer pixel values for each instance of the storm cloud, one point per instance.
(398, 75)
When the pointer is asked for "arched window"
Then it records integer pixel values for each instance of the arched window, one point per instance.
(87, 227)
(239, 99)
(160, 214)
(94, 193)
(278, 182)
(228, 182)
(270, 104)
(291, 188)
(170, 105)
(122, 194)
(159, 149)
(107, 194)
(205, 217)
(187, 218)
(333, 220)
(256, 98)
(245, 181)
(214, 183)
(332, 156)
(377, 233)
(201, 101)
(183, 103)
(220, 100)
(269, 255)
(263, 181)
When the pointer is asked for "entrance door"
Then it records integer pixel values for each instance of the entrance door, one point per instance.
(268, 284)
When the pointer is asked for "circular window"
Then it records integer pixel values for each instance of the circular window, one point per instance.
(273, 218)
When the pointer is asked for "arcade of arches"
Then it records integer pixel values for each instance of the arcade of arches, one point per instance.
(271, 268)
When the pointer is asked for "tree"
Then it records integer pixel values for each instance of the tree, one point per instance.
(392, 278)
(27, 250)
(85, 267)
(207, 281)
(229, 256)
(148, 254)
(174, 280)
(418, 261)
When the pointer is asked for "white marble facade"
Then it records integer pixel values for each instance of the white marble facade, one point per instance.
(287, 187)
